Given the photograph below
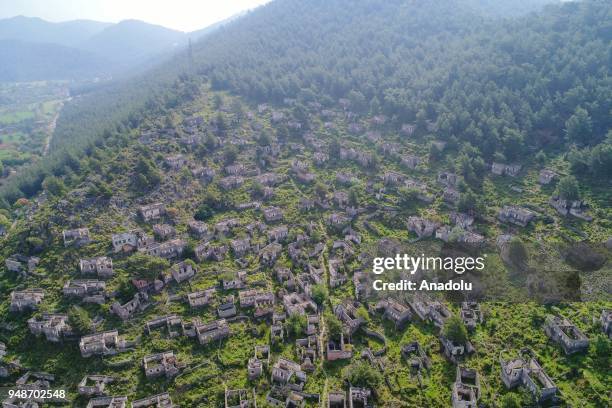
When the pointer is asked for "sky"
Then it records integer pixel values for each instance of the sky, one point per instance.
(183, 15)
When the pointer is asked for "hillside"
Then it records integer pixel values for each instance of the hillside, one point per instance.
(38, 61)
(31, 29)
(131, 40)
(206, 233)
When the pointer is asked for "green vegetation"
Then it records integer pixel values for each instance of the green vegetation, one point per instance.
(477, 90)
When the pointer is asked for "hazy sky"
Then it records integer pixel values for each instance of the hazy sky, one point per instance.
(184, 15)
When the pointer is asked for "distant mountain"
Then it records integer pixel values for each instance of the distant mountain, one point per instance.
(97, 48)
(33, 29)
(131, 41)
(28, 61)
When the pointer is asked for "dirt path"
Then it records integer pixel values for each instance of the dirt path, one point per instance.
(51, 127)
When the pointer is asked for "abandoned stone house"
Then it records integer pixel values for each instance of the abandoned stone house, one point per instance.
(466, 389)
(515, 215)
(277, 116)
(285, 277)
(340, 198)
(415, 356)
(92, 385)
(459, 235)
(320, 158)
(27, 299)
(108, 402)
(235, 170)
(213, 331)
(231, 182)
(451, 195)
(575, 208)
(21, 264)
(392, 178)
(53, 326)
(346, 312)
(345, 178)
(239, 398)
(183, 271)
(278, 234)
(148, 286)
(298, 303)
(306, 204)
(421, 188)
(201, 297)
(162, 364)
(254, 368)
(270, 253)
(272, 214)
(164, 231)
(471, 315)
(103, 343)
(152, 211)
(88, 290)
(395, 312)
(359, 397)
(130, 241)
(241, 247)
(268, 179)
(455, 352)
(448, 179)
(501, 169)
(422, 227)
(236, 281)
(526, 371)
(76, 237)
(565, 333)
(200, 229)
(305, 177)
(101, 266)
(410, 161)
(338, 350)
(288, 373)
(172, 324)
(337, 220)
(226, 226)
(462, 220)
(204, 174)
(361, 284)
(207, 251)
(169, 249)
(546, 176)
(408, 129)
(175, 162)
(138, 303)
(156, 401)
(336, 277)
(253, 297)
(227, 307)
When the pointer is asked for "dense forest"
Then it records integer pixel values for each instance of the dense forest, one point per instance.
(497, 87)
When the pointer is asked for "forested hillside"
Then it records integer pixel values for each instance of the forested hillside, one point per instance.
(208, 234)
(507, 87)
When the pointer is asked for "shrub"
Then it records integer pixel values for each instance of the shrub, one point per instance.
(79, 320)
(455, 330)
(363, 374)
(319, 294)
